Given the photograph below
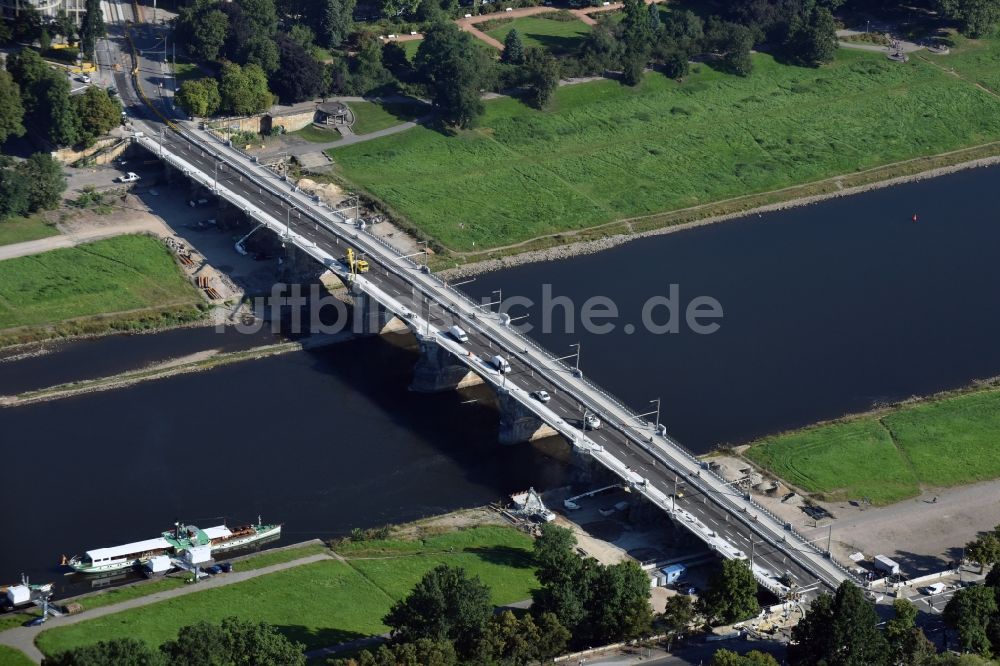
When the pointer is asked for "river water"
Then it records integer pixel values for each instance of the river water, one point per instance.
(322, 441)
(828, 309)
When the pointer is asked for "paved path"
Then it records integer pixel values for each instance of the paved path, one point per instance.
(23, 638)
(77, 237)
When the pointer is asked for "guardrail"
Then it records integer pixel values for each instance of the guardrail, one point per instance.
(307, 206)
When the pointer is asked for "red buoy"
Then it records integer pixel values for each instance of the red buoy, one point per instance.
(914, 217)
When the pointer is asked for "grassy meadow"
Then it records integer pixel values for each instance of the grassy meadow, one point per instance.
(22, 229)
(372, 117)
(604, 151)
(326, 602)
(108, 276)
(891, 456)
(12, 657)
(559, 35)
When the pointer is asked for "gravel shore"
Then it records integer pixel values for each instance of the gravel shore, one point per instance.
(599, 245)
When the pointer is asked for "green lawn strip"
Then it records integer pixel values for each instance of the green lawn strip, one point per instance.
(558, 36)
(108, 276)
(500, 556)
(316, 134)
(272, 557)
(974, 59)
(126, 592)
(846, 460)
(952, 441)
(944, 442)
(318, 604)
(13, 657)
(410, 48)
(22, 229)
(372, 117)
(606, 151)
(327, 602)
(186, 71)
(11, 620)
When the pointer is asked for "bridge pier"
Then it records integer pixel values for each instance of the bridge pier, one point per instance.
(438, 370)
(369, 317)
(518, 423)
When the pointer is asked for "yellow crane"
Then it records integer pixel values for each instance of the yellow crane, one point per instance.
(356, 265)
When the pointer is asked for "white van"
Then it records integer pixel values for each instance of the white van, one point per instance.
(458, 334)
(501, 364)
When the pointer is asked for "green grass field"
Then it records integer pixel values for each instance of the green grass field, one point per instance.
(371, 117)
(11, 620)
(975, 59)
(558, 36)
(11, 657)
(941, 443)
(410, 48)
(21, 229)
(316, 134)
(114, 275)
(326, 602)
(605, 151)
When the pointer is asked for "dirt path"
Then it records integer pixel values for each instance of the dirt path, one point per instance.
(23, 638)
(136, 226)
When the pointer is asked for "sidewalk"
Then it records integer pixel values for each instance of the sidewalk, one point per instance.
(75, 238)
(23, 638)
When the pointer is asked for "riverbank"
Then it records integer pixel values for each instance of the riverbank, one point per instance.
(320, 603)
(196, 362)
(891, 453)
(604, 237)
(125, 283)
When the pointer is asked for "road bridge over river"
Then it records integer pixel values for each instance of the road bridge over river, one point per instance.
(397, 289)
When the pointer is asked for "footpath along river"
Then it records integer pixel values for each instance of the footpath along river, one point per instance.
(828, 309)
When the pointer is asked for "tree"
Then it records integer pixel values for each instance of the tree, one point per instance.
(200, 97)
(752, 658)
(28, 70)
(394, 59)
(678, 614)
(655, 24)
(637, 38)
(423, 652)
(600, 51)
(812, 38)
(839, 631)
(737, 45)
(978, 18)
(300, 76)
(262, 15)
(91, 27)
(27, 26)
(97, 112)
(117, 652)
(11, 109)
(64, 25)
(15, 191)
(56, 112)
(907, 644)
(985, 550)
(455, 71)
(243, 90)
(508, 640)
(332, 20)
(233, 641)
(201, 28)
(445, 605)
(731, 594)
(969, 612)
(618, 604)
(369, 73)
(541, 76)
(513, 49)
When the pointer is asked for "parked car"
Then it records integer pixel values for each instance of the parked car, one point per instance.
(591, 422)
(457, 333)
(541, 396)
(84, 78)
(214, 569)
(226, 567)
(130, 177)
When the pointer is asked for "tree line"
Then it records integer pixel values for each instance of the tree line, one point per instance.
(31, 92)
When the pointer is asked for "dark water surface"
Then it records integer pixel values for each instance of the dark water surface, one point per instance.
(322, 441)
(828, 309)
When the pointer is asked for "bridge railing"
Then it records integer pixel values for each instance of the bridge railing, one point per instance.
(544, 353)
